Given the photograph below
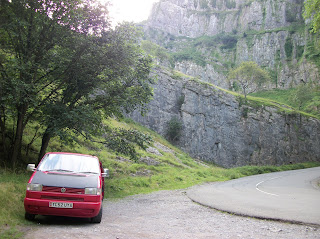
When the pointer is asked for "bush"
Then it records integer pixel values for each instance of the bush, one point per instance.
(180, 101)
(174, 127)
(190, 55)
(229, 42)
(288, 46)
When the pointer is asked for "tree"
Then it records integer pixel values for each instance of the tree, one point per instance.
(118, 88)
(312, 12)
(32, 36)
(249, 77)
(63, 66)
(302, 95)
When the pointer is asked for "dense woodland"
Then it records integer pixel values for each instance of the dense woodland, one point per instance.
(63, 70)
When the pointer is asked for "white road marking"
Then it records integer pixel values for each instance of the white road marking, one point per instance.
(257, 187)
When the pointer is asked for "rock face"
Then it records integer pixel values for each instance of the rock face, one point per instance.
(209, 37)
(217, 128)
(194, 18)
(272, 33)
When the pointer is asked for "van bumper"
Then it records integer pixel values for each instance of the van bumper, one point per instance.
(79, 209)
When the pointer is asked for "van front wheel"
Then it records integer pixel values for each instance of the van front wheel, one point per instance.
(97, 219)
(29, 217)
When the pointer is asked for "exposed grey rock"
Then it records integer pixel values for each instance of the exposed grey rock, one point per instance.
(206, 74)
(164, 148)
(153, 151)
(143, 173)
(122, 159)
(193, 18)
(149, 161)
(216, 128)
(262, 30)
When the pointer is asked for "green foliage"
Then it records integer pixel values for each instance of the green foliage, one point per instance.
(312, 11)
(228, 41)
(299, 52)
(189, 50)
(309, 104)
(180, 101)
(291, 12)
(225, 41)
(124, 141)
(230, 4)
(190, 55)
(249, 76)
(274, 76)
(155, 50)
(204, 4)
(12, 192)
(303, 93)
(67, 70)
(313, 49)
(244, 112)
(288, 47)
(177, 75)
(174, 127)
(235, 86)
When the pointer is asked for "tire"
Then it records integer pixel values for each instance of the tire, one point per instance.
(97, 219)
(29, 217)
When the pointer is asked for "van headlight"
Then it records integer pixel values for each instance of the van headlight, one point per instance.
(93, 191)
(34, 187)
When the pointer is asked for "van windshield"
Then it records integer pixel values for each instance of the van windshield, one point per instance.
(69, 163)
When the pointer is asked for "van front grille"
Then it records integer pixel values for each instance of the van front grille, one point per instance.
(63, 190)
(57, 198)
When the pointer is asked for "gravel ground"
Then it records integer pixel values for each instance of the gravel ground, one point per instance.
(164, 215)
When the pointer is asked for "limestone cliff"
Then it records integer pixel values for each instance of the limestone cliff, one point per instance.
(194, 18)
(204, 39)
(224, 33)
(218, 128)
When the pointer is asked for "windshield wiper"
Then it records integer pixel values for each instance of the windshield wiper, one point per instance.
(59, 170)
(88, 172)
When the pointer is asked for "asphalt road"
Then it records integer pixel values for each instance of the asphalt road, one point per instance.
(292, 196)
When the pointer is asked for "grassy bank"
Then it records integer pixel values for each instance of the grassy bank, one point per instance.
(12, 192)
(311, 105)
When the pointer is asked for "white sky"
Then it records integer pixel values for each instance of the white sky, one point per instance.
(130, 10)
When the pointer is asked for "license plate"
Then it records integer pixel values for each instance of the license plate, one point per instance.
(61, 204)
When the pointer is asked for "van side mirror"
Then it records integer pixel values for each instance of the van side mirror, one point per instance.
(31, 167)
(105, 173)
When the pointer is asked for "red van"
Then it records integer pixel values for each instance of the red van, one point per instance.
(66, 184)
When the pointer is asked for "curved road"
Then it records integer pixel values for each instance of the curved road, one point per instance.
(292, 196)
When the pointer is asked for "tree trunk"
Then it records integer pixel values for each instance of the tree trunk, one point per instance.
(3, 133)
(18, 136)
(32, 141)
(245, 94)
(45, 142)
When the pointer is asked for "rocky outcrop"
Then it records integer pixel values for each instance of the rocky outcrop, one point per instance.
(205, 39)
(217, 128)
(272, 33)
(194, 18)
